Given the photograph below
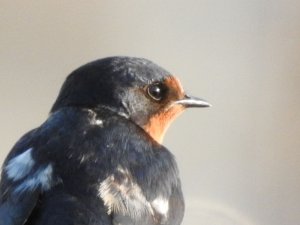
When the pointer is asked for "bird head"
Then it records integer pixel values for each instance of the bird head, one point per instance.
(134, 88)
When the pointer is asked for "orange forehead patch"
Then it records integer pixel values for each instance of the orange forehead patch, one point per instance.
(160, 122)
(175, 87)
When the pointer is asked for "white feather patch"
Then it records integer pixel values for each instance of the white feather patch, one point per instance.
(161, 205)
(19, 166)
(41, 178)
(122, 195)
(94, 120)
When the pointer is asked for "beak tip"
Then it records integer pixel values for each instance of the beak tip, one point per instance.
(208, 104)
(193, 102)
(202, 104)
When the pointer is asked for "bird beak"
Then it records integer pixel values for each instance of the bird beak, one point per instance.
(189, 102)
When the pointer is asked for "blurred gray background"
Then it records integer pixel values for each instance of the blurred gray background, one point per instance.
(240, 159)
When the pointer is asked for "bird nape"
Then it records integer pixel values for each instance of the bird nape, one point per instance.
(98, 158)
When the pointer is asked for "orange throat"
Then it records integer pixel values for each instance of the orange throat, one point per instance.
(159, 123)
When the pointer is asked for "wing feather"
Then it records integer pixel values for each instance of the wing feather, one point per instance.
(22, 181)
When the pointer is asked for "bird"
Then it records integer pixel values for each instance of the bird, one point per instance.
(98, 159)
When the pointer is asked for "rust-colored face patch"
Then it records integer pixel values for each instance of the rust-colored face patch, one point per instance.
(175, 88)
(159, 122)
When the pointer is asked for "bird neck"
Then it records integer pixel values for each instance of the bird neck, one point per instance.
(100, 109)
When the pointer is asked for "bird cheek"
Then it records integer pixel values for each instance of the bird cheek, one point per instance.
(160, 122)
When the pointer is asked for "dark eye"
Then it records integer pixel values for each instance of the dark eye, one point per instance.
(157, 91)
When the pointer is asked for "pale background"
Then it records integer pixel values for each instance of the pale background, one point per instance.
(240, 159)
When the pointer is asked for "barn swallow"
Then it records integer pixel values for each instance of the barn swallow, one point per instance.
(98, 159)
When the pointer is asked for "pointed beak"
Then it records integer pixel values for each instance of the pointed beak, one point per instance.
(189, 102)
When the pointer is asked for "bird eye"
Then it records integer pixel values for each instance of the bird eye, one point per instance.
(157, 91)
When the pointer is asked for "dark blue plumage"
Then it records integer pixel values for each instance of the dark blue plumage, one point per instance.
(97, 159)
